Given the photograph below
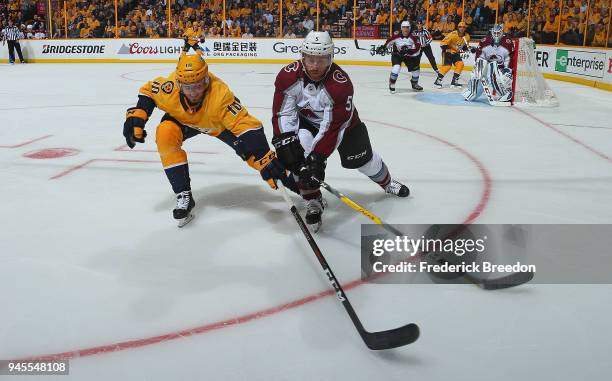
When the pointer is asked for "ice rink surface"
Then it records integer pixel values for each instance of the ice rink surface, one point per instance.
(93, 268)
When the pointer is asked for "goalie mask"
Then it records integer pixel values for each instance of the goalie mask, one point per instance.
(496, 33)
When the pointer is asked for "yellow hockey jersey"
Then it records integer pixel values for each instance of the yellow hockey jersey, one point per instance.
(220, 109)
(454, 42)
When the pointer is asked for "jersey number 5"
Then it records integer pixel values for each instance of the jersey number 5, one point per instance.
(349, 103)
(235, 107)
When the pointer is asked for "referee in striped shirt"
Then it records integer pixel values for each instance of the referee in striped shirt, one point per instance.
(12, 34)
(424, 38)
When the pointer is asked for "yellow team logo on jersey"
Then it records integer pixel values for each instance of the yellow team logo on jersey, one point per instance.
(167, 87)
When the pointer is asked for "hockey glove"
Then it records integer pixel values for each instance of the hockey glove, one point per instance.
(382, 50)
(269, 167)
(133, 128)
(313, 172)
(289, 151)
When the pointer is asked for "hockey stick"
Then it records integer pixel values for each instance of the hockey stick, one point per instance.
(510, 280)
(372, 50)
(358, 47)
(507, 281)
(359, 208)
(392, 338)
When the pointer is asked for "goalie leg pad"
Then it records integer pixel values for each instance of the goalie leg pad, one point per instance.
(473, 90)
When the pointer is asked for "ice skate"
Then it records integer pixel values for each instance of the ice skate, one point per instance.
(314, 211)
(182, 211)
(398, 189)
(438, 82)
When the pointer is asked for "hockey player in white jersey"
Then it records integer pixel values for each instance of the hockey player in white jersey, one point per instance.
(492, 71)
(404, 48)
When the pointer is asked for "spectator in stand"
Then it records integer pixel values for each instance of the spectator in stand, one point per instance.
(599, 39)
(40, 33)
(29, 32)
(453, 16)
(445, 13)
(537, 26)
(437, 30)
(448, 26)
(308, 24)
(235, 30)
(247, 33)
(572, 35)
(290, 34)
(493, 6)
(510, 24)
(480, 15)
(549, 31)
(521, 25)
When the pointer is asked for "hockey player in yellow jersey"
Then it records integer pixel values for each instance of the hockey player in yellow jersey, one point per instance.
(452, 46)
(195, 101)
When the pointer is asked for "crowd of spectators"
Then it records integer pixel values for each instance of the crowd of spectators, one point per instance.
(567, 21)
(571, 22)
(28, 15)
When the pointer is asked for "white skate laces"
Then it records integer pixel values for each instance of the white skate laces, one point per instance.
(182, 200)
(396, 188)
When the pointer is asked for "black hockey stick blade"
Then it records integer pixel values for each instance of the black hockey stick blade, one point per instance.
(358, 47)
(512, 280)
(392, 338)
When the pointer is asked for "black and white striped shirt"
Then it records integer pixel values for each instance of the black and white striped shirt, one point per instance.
(423, 36)
(11, 33)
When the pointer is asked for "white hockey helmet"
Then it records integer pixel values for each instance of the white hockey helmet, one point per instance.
(318, 44)
(405, 23)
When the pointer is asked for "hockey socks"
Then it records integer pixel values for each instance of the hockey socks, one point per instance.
(454, 82)
(179, 177)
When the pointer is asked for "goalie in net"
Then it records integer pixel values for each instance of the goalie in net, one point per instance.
(507, 72)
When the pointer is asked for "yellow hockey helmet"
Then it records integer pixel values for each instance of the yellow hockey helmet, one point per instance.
(461, 24)
(191, 68)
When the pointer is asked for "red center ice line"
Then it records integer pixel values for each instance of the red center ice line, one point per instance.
(484, 199)
(125, 148)
(26, 142)
(90, 161)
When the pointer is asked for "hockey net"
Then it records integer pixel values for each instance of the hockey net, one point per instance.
(530, 87)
